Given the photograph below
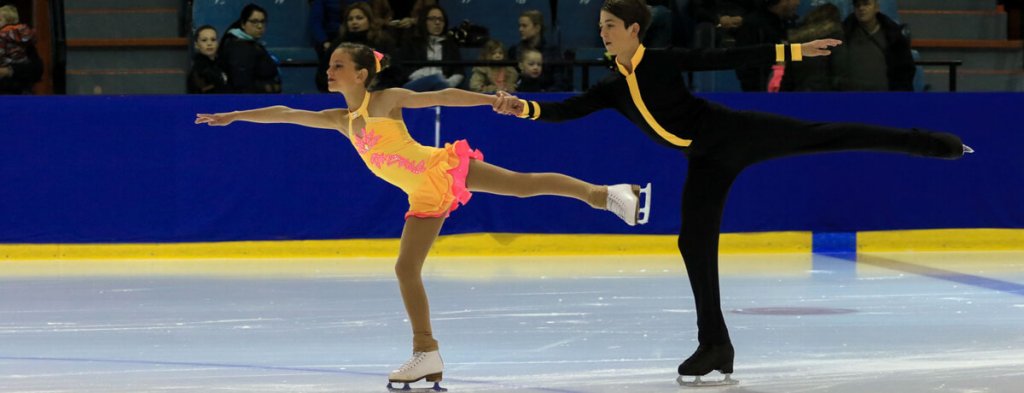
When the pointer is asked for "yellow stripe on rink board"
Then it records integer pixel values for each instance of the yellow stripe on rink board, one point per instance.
(505, 244)
(941, 240)
(453, 245)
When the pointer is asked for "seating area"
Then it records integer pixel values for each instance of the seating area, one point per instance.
(143, 46)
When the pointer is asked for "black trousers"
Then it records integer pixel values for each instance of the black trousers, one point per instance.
(725, 142)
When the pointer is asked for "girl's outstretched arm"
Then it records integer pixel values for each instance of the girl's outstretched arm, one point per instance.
(447, 97)
(330, 119)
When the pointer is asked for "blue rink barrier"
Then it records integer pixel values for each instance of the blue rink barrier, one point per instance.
(136, 169)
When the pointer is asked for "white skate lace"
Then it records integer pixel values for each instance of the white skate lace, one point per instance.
(417, 357)
(620, 207)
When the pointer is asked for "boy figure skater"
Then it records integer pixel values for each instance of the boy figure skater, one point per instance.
(718, 142)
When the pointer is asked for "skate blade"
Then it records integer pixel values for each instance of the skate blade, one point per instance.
(408, 389)
(644, 212)
(700, 383)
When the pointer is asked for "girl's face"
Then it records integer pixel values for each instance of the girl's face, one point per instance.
(206, 43)
(256, 25)
(532, 64)
(527, 30)
(357, 21)
(497, 54)
(342, 74)
(435, 22)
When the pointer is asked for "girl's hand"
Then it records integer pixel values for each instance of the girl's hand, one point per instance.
(215, 119)
(820, 47)
(507, 104)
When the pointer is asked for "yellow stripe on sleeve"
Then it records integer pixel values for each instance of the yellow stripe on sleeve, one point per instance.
(526, 109)
(536, 110)
(780, 53)
(797, 52)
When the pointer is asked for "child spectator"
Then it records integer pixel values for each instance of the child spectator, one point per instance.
(206, 75)
(492, 79)
(532, 77)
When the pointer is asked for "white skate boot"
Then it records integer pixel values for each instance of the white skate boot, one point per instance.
(422, 365)
(624, 201)
(968, 150)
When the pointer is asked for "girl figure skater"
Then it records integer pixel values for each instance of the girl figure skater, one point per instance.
(437, 180)
(719, 143)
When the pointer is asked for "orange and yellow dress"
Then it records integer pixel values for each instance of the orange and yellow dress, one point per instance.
(434, 178)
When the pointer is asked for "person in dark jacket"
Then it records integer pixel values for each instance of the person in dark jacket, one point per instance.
(206, 75)
(360, 26)
(250, 67)
(719, 143)
(814, 74)
(877, 55)
(431, 42)
(769, 24)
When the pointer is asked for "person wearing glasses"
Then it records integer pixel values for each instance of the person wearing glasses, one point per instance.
(250, 67)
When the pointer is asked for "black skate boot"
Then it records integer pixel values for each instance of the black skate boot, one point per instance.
(706, 359)
(950, 146)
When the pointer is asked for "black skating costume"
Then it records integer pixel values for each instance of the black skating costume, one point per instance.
(719, 143)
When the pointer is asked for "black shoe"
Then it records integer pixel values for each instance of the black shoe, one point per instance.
(709, 358)
(950, 146)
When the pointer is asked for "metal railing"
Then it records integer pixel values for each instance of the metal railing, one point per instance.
(585, 66)
(952, 64)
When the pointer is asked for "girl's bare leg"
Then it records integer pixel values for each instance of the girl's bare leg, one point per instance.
(497, 180)
(418, 236)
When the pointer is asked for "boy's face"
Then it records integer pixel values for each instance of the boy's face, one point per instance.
(497, 55)
(532, 64)
(616, 35)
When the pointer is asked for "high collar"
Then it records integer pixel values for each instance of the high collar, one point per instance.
(634, 61)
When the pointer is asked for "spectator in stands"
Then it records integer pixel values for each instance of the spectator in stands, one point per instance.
(431, 43)
(250, 68)
(206, 75)
(361, 27)
(532, 77)
(768, 25)
(731, 13)
(877, 56)
(20, 65)
(814, 74)
(383, 15)
(325, 22)
(406, 13)
(659, 33)
(531, 35)
(492, 79)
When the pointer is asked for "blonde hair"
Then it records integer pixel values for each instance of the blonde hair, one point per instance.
(9, 13)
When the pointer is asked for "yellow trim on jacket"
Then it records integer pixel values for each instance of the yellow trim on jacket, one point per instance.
(634, 92)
